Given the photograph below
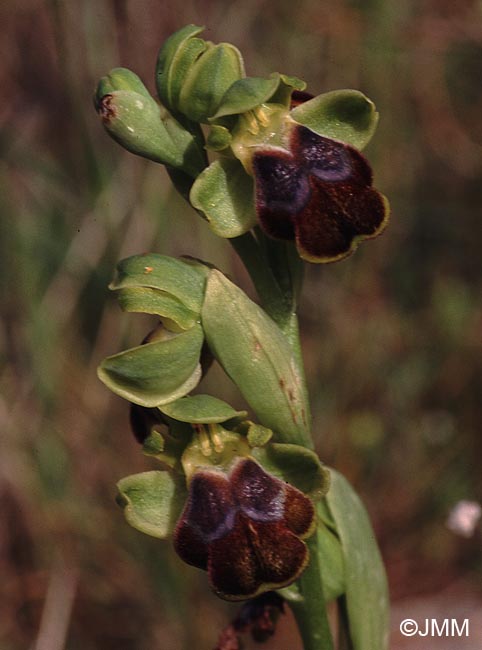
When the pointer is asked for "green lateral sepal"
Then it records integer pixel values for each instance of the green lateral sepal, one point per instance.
(152, 501)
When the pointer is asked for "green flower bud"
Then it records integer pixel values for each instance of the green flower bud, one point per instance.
(193, 75)
(209, 78)
(136, 121)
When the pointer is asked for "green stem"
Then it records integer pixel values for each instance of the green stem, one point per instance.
(277, 276)
(269, 291)
(310, 610)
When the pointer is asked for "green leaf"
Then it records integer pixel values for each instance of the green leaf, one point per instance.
(224, 194)
(245, 94)
(345, 115)
(296, 465)
(155, 373)
(184, 281)
(201, 409)
(152, 502)
(366, 585)
(207, 80)
(257, 357)
(174, 314)
(175, 59)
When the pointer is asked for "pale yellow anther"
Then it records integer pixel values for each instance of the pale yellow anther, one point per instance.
(204, 441)
(216, 439)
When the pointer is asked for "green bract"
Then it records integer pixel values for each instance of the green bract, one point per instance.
(366, 591)
(258, 358)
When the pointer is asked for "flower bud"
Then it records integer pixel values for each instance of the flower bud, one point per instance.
(193, 75)
(136, 121)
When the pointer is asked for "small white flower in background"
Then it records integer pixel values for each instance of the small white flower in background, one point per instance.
(464, 517)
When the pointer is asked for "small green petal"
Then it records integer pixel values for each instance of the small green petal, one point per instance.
(202, 409)
(345, 115)
(165, 447)
(152, 502)
(224, 193)
(219, 138)
(257, 435)
(296, 465)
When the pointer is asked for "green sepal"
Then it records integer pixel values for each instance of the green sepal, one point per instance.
(366, 594)
(180, 279)
(345, 115)
(224, 194)
(208, 79)
(120, 79)
(201, 409)
(158, 372)
(296, 465)
(219, 138)
(175, 316)
(257, 357)
(152, 501)
(174, 61)
(245, 94)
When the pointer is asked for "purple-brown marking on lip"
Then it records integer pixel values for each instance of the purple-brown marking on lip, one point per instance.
(318, 193)
(245, 528)
(259, 495)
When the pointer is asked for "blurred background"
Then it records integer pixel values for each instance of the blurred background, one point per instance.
(391, 336)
